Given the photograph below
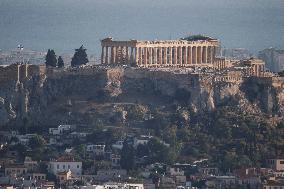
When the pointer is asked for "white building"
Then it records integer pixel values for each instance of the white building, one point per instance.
(276, 164)
(61, 129)
(115, 160)
(24, 139)
(143, 140)
(114, 186)
(174, 171)
(118, 145)
(123, 186)
(96, 149)
(65, 164)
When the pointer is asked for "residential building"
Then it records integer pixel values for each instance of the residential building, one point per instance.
(38, 176)
(15, 169)
(110, 174)
(65, 163)
(178, 175)
(276, 164)
(115, 160)
(64, 176)
(143, 140)
(208, 170)
(61, 129)
(118, 145)
(96, 149)
(30, 164)
(273, 184)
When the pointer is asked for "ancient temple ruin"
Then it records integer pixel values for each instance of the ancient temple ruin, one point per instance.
(187, 52)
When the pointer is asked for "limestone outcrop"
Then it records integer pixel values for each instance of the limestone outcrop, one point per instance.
(84, 95)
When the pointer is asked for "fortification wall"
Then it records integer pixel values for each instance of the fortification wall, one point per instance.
(8, 73)
(19, 72)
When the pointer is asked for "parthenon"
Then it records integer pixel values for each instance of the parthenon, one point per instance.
(186, 52)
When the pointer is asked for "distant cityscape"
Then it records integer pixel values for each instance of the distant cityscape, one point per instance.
(162, 114)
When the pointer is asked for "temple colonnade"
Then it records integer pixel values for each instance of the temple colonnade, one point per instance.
(180, 53)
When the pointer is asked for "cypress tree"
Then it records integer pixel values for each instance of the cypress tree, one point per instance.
(50, 58)
(127, 156)
(60, 62)
(80, 57)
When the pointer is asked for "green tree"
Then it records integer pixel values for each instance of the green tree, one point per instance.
(50, 58)
(142, 150)
(127, 156)
(37, 142)
(80, 151)
(60, 62)
(159, 152)
(80, 57)
(281, 74)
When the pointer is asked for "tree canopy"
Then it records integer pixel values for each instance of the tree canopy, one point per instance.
(80, 57)
(281, 74)
(60, 62)
(127, 156)
(50, 58)
(37, 142)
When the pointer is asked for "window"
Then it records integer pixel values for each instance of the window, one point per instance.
(42, 177)
(57, 166)
(68, 166)
(63, 166)
(281, 162)
(78, 166)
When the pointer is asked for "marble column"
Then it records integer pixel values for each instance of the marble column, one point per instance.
(136, 57)
(180, 56)
(106, 57)
(175, 56)
(102, 55)
(199, 57)
(117, 58)
(145, 57)
(150, 56)
(205, 49)
(140, 56)
(155, 56)
(194, 53)
(208, 55)
(185, 56)
(189, 58)
(165, 55)
(126, 55)
(202, 55)
(131, 55)
(212, 54)
(170, 56)
(160, 56)
(112, 60)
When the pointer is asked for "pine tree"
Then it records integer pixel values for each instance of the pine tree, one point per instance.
(50, 58)
(127, 156)
(80, 57)
(60, 62)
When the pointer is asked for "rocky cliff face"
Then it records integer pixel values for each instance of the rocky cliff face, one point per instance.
(81, 96)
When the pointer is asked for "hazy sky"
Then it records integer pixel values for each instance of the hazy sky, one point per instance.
(66, 24)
